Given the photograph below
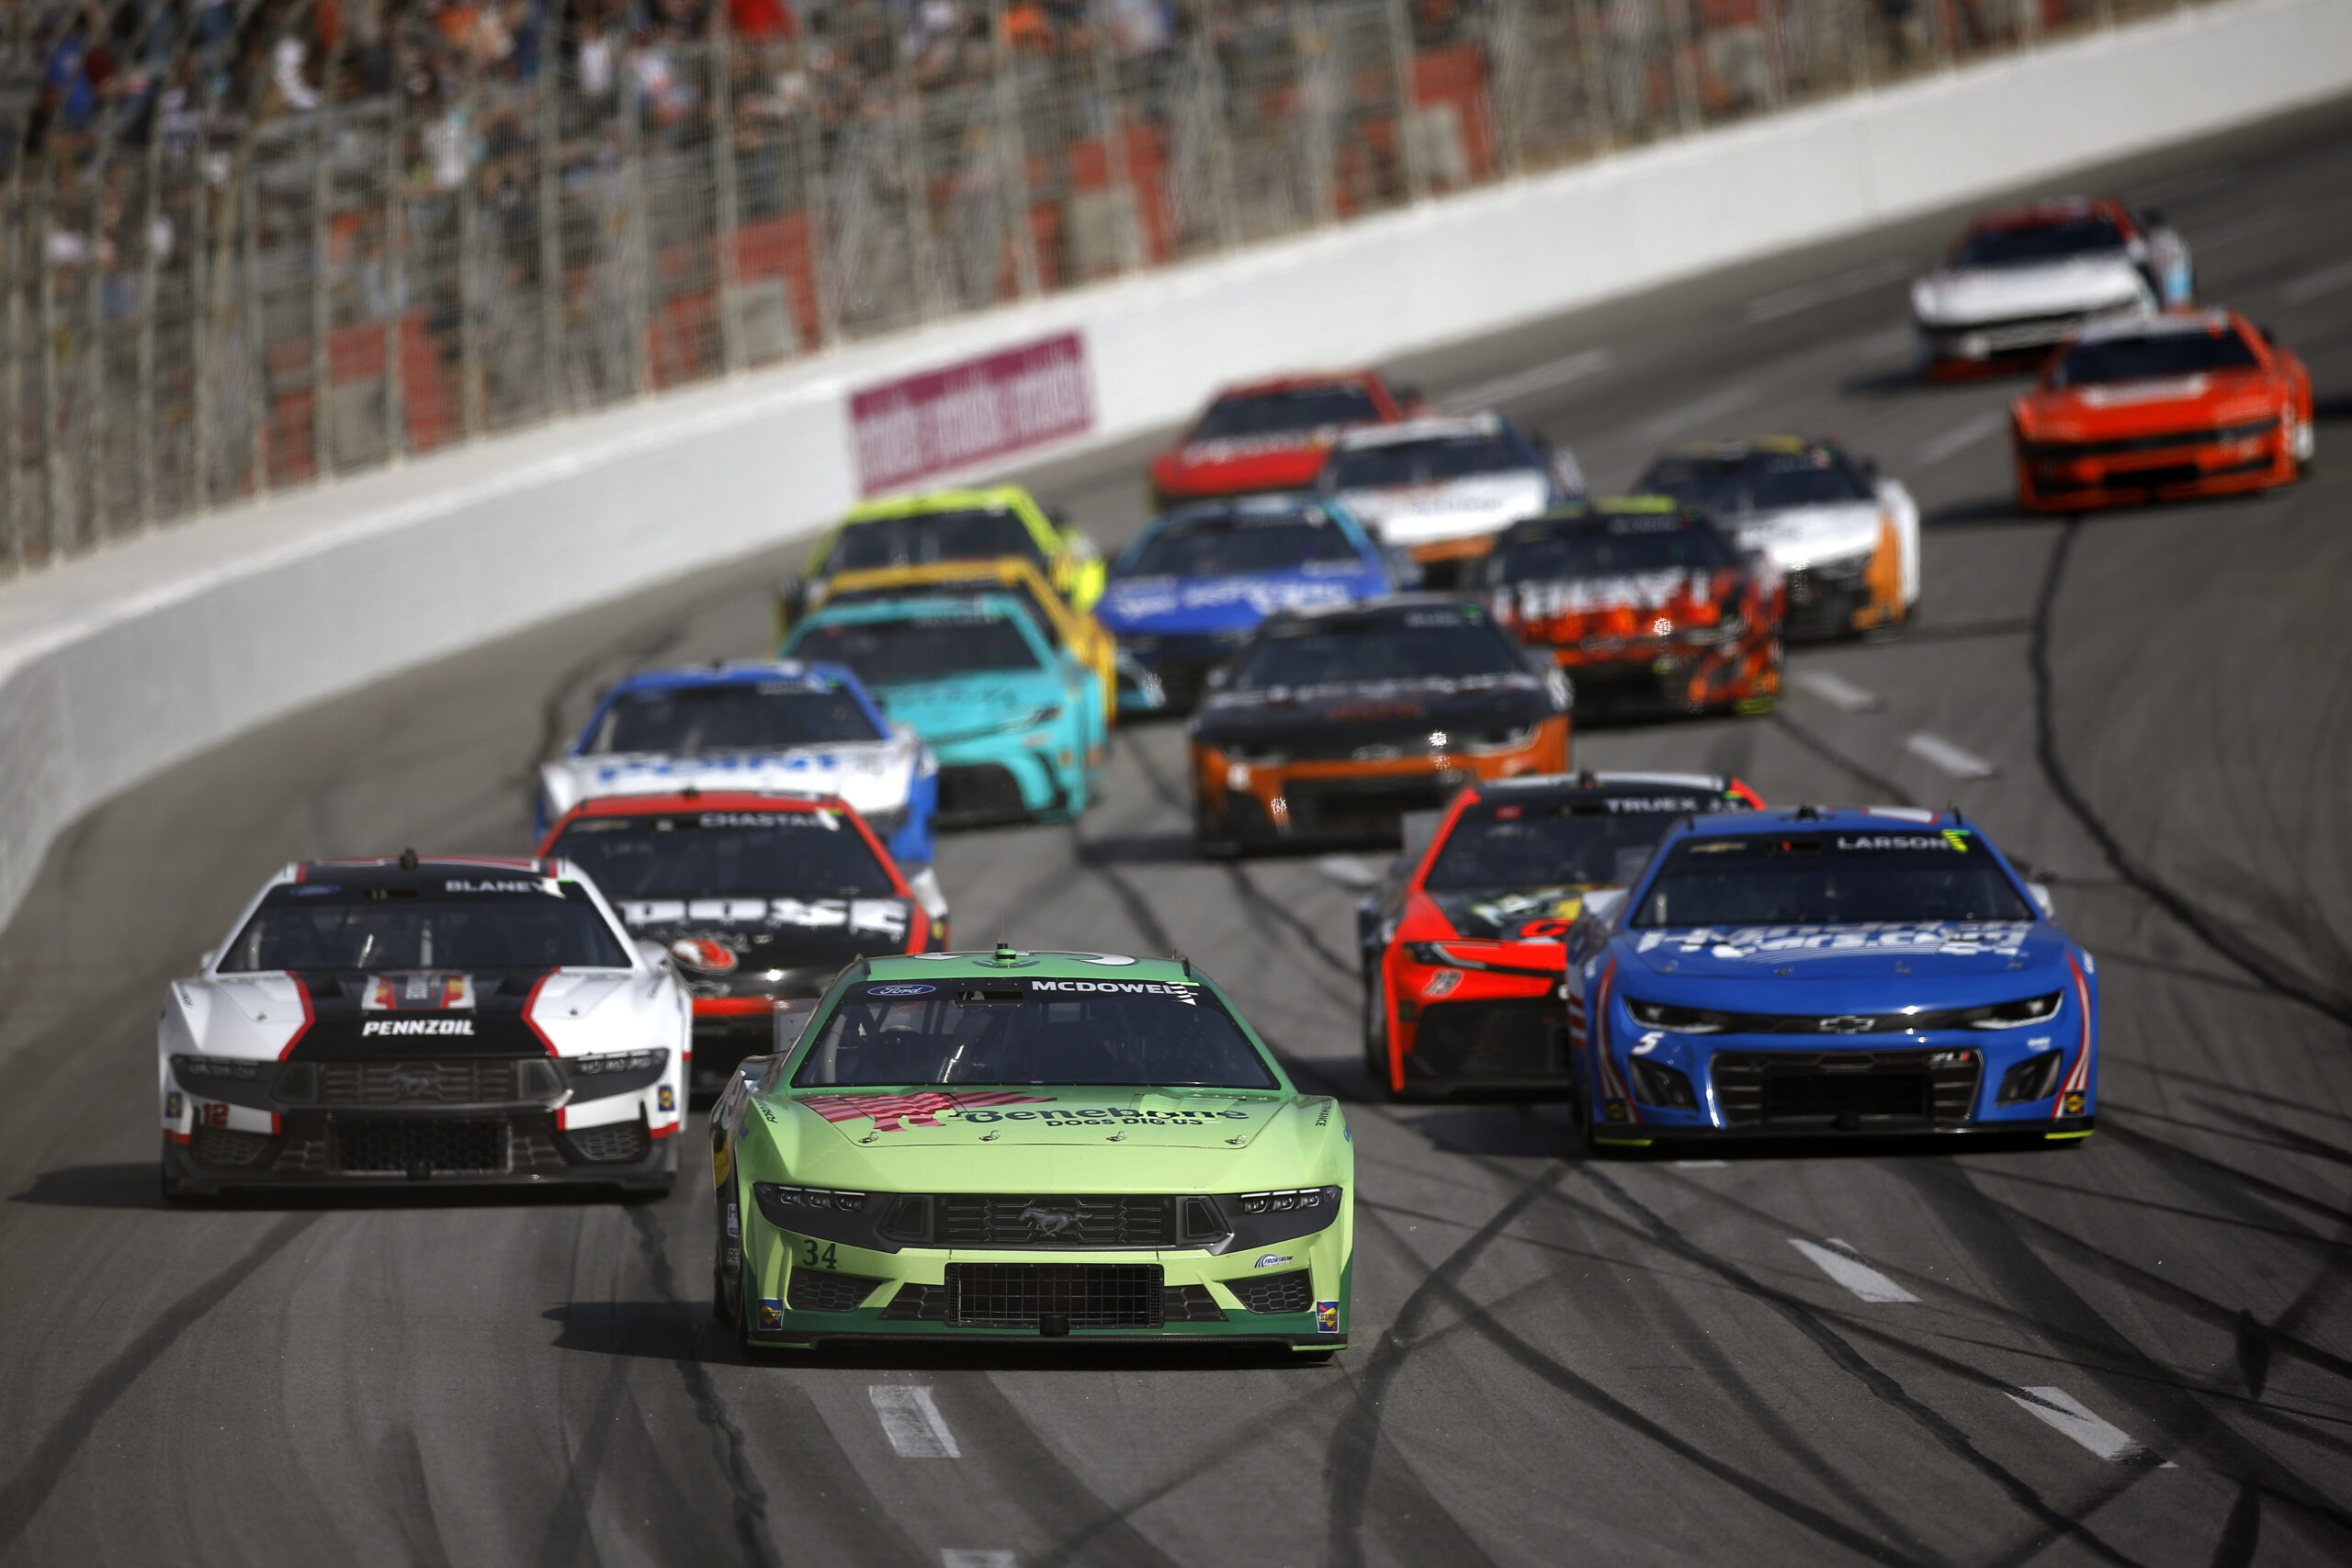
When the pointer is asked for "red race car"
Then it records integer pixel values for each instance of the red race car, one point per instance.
(1645, 604)
(1273, 434)
(2161, 409)
(755, 897)
(1465, 944)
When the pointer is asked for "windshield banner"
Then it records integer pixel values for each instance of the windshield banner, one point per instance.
(984, 408)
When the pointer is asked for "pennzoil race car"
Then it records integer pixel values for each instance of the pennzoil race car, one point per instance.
(1329, 725)
(2021, 279)
(773, 727)
(1645, 604)
(755, 897)
(1844, 537)
(1000, 521)
(1272, 434)
(2163, 409)
(448, 1019)
(1830, 971)
(1008, 1145)
(1463, 943)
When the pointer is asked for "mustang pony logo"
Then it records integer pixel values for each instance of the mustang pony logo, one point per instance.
(417, 1083)
(896, 1113)
(1044, 1223)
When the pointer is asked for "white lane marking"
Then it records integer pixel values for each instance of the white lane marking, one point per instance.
(1838, 691)
(1535, 379)
(912, 1421)
(2245, 228)
(1707, 410)
(1837, 1261)
(1959, 437)
(1700, 1164)
(2110, 1442)
(975, 1557)
(2311, 285)
(1822, 291)
(1960, 764)
(1348, 870)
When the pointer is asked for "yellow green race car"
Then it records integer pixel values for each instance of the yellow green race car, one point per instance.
(955, 524)
(1010, 1145)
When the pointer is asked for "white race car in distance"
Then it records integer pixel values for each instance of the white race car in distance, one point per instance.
(2018, 281)
(455, 1019)
(1441, 488)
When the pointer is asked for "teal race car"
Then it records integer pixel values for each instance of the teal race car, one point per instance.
(1018, 722)
(1008, 1145)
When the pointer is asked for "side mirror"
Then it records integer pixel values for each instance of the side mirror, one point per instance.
(208, 960)
(655, 955)
(2041, 892)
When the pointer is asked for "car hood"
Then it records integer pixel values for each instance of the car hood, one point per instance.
(2123, 408)
(1480, 504)
(1758, 964)
(1288, 460)
(1964, 296)
(356, 1015)
(1348, 715)
(1806, 536)
(784, 930)
(872, 775)
(971, 704)
(900, 1122)
(1165, 606)
(1625, 606)
(1518, 914)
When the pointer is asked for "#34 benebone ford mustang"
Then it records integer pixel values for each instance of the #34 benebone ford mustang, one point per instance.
(991, 1145)
(449, 1019)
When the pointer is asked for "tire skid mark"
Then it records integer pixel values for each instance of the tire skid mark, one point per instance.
(1356, 1440)
(2219, 937)
(1032, 1475)
(2224, 1183)
(1259, 902)
(1882, 1385)
(403, 1458)
(22, 1494)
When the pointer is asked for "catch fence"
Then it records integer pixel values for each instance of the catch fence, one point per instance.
(219, 281)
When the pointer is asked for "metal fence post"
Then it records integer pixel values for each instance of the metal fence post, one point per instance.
(203, 281)
(729, 213)
(321, 303)
(637, 260)
(255, 332)
(150, 267)
(1683, 40)
(1118, 154)
(1012, 157)
(1593, 40)
(930, 284)
(52, 390)
(395, 276)
(1507, 82)
(469, 302)
(1858, 51)
(1207, 72)
(555, 391)
(813, 209)
(1408, 143)
(12, 394)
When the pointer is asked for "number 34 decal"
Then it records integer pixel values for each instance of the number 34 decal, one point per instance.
(812, 1258)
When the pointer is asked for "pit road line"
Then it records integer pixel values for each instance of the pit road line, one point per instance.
(911, 1419)
(1953, 760)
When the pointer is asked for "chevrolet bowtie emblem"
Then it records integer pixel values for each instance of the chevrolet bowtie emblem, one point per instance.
(1848, 1023)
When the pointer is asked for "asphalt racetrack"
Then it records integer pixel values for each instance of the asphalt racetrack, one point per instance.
(2139, 1351)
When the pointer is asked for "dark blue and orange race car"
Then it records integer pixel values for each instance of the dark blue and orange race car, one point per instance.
(1827, 971)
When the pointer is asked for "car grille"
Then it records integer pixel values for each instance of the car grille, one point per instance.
(610, 1144)
(481, 1080)
(2010, 334)
(1293, 1291)
(981, 792)
(1053, 1220)
(2152, 478)
(929, 1303)
(1502, 1041)
(391, 1145)
(227, 1146)
(1083, 1295)
(813, 1291)
(2209, 438)
(1847, 1089)
(1363, 809)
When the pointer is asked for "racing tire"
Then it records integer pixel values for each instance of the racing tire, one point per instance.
(726, 1290)
(179, 1194)
(1375, 1035)
(1207, 845)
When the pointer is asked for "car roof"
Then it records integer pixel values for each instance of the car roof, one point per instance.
(1001, 498)
(2055, 209)
(1298, 381)
(1433, 428)
(388, 871)
(814, 675)
(705, 800)
(1749, 445)
(1269, 505)
(1600, 785)
(926, 607)
(2172, 324)
(1033, 964)
(1827, 818)
(1374, 614)
(1572, 514)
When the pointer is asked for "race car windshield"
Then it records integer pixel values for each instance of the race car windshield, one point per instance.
(2030, 244)
(1555, 844)
(1402, 463)
(697, 853)
(1131, 1033)
(686, 720)
(1274, 414)
(901, 653)
(1048, 626)
(1755, 482)
(980, 534)
(322, 926)
(1225, 548)
(1831, 878)
(1381, 651)
(2158, 356)
(1613, 548)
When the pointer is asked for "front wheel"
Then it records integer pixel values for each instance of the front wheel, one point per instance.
(1375, 1033)
(726, 1266)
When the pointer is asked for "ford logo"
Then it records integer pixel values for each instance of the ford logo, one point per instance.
(900, 990)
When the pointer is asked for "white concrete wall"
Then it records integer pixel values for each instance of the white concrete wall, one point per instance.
(117, 667)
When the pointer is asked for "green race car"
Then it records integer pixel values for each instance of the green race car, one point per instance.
(998, 1145)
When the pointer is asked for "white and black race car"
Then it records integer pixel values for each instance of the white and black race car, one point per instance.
(447, 1020)
(2020, 280)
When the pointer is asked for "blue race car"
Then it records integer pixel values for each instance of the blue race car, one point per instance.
(1824, 971)
(1017, 722)
(781, 728)
(1195, 584)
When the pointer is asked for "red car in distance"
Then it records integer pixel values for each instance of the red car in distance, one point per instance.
(2163, 408)
(1465, 944)
(1273, 434)
(755, 898)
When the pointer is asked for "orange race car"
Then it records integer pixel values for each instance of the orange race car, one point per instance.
(1328, 724)
(1463, 944)
(1645, 604)
(2163, 408)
